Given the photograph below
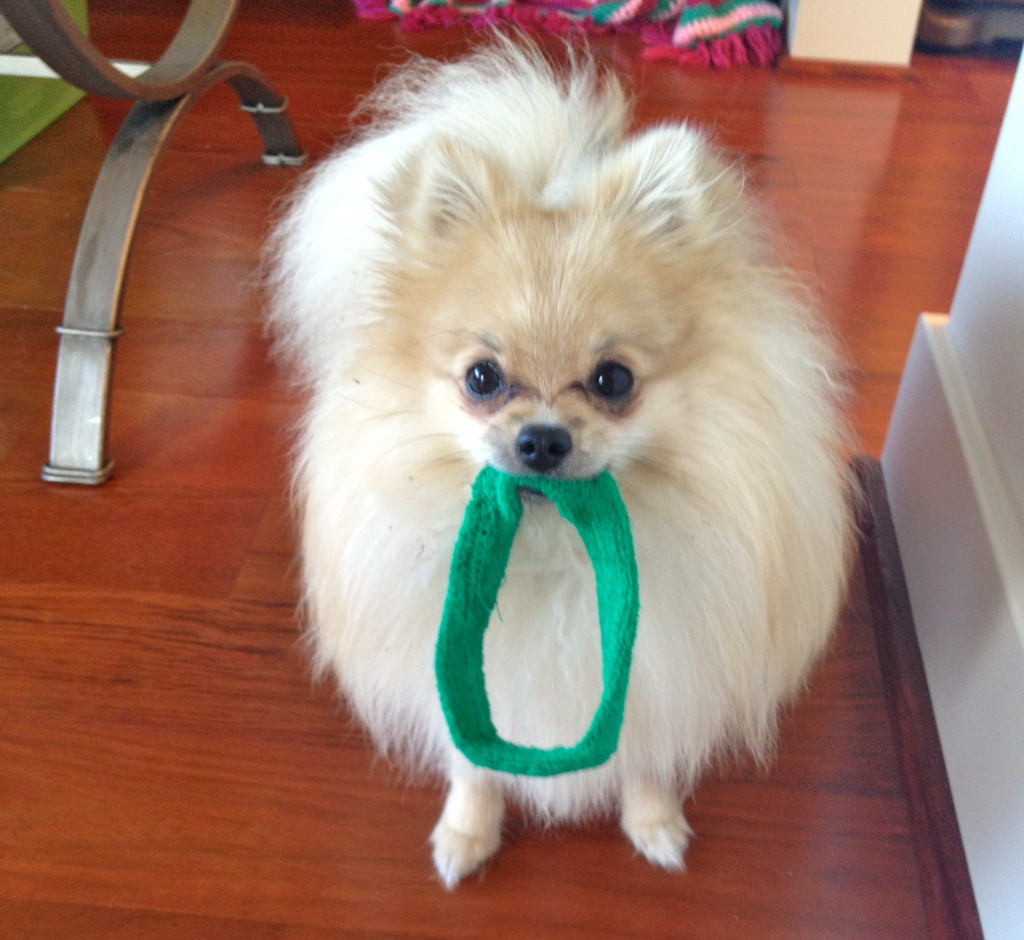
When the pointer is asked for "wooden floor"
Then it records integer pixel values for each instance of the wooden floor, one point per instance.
(166, 767)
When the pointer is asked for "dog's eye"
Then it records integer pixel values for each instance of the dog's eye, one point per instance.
(484, 379)
(611, 380)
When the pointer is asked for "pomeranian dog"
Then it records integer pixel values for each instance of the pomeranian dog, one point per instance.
(496, 273)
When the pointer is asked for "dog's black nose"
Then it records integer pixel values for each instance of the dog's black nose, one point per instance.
(543, 447)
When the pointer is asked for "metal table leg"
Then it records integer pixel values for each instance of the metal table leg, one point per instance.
(165, 91)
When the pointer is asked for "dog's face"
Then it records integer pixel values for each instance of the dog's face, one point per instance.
(548, 350)
(552, 337)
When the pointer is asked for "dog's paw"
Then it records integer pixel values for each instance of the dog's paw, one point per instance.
(662, 841)
(656, 826)
(469, 830)
(458, 854)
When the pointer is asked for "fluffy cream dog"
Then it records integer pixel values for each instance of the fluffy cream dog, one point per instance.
(495, 273)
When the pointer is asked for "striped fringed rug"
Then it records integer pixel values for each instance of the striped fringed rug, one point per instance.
(707, 33)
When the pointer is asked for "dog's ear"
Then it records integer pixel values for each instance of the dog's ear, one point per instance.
(443, 187)
(666, 181)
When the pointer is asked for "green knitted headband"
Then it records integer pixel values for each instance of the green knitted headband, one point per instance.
(481, 554)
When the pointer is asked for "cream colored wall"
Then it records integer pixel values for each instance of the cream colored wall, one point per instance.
(876, 32)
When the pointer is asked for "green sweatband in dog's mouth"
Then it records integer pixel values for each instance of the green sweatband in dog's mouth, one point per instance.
(595, 508)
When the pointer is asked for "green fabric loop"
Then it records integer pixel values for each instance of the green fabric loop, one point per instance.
(481, 555)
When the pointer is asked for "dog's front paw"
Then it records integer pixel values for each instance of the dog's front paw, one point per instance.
(458, 854)
(469, 830)
(661, 841)
(656, 826)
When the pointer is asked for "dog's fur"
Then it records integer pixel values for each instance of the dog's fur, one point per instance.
(494, 210)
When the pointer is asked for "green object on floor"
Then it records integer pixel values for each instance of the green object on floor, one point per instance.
(28, 105)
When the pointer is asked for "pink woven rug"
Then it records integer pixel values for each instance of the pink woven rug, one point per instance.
(707, 33)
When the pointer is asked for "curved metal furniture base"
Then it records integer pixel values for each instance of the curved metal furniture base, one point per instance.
(51, 33)
(166, 91)
(91, 313)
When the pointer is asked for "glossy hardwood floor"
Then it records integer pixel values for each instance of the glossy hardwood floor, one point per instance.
(166, 767)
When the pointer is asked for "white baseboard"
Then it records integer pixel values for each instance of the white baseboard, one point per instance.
(962, 549)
